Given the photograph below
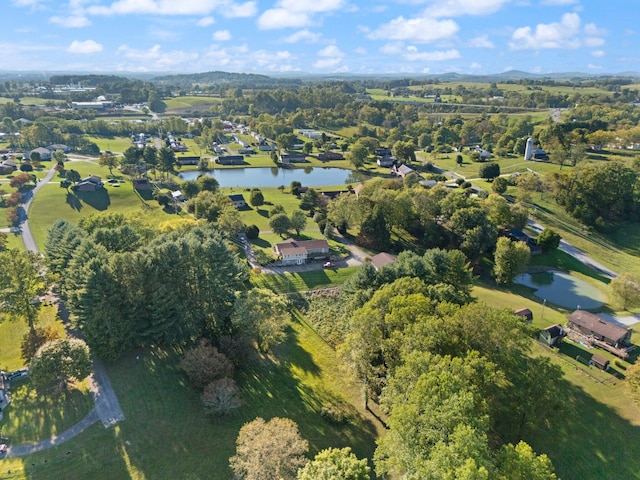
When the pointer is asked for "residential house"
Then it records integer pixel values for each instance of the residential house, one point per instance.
(293, 252)
(141, 184)
(324, 156)
(7, 166)
(266, 147)
(45, 153)
(59, 146)
(90, 184)
(382, 259)
(592, 325)
(177, 196)
(429, 183)
(552, 335)
(386, 161)
(383, 152)
(230, 160)
(247, 151)
(188, 160)
(403, 170)
(289, 157)
(238, 201)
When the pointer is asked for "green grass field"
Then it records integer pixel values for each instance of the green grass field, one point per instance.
(113, 144)
(302, 281)
(166, 434)
(53, 202)
(190, 102)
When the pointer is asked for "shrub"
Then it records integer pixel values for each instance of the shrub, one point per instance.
(252, 232)
(26, 167)
(548, 240)
(489, 171)
(203, 364)
(221, 396)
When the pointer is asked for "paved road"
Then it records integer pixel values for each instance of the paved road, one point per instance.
(107, 408)
(576, 253)
(22, 450)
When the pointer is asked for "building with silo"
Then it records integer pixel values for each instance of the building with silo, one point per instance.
(528, 151)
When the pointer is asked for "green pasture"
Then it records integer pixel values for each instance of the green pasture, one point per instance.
(31, 100)
(167, 435)
(14, 240)
(113, 144)
(302, 281)
(53, 202)
(190, 101)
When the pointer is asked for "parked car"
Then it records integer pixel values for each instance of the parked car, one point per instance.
(17, 374)
(3, 449)
(328, 264)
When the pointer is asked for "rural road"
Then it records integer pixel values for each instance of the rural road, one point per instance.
(576, 253)
(107, 408)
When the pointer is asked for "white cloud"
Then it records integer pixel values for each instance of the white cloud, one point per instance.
(84, 48)
(559, 2)
(567, 33)
(413, 55)
(594, 67)
(303, 36)
(73, 21)
(155, 58)
(33, 4)
(296, 13)
(457, 8)
(548, 35)
(421, 30)
(331, 57)
(481, 42)
(205, 21)
(240, 10)
(360, 50)
(475, 66)
(393, 48)
(276, 18)
(597, 53)
(222, 35)
(240, 58)
(172, 7)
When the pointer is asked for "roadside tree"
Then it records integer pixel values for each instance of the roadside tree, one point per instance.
(548, 240)
(627, 288)
(280, 223)
(60, 360)
(21, 285)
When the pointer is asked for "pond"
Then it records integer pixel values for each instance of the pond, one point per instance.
(274, 177)
(563, 289)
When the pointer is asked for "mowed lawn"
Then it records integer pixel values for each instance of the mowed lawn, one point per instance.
(53, 202)
(600, 437)
(166, 434)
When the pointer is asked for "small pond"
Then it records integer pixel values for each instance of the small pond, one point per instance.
(274, 176)
(563, 289)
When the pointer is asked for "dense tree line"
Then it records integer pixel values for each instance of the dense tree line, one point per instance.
(124, 292)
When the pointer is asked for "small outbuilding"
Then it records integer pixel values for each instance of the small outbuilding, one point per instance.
(525, 313)
(552, 335)
(600, 362)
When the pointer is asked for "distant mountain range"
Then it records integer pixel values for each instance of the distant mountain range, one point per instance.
(233, 78)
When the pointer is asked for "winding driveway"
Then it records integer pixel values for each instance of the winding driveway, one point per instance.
(107, 408)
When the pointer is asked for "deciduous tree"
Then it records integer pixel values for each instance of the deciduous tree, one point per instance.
(298, 221)
(280, 223)
(510, 259)
(203, 364)
(59, 360)
(272, 450)
(263, 315)
(221, 396)
(335, 464)
(626, 287)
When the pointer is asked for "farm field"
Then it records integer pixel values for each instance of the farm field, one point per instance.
(190, 102)
(113, 144)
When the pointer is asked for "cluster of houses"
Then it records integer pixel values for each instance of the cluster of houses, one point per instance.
(174, 143)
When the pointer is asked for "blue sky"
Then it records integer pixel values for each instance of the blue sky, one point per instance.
(322, 36)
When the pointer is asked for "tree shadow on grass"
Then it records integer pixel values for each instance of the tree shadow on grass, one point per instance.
(594, 442)
(74, 202)
(259, 242)
(99, 199)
